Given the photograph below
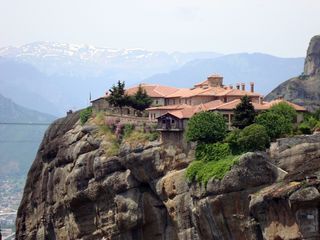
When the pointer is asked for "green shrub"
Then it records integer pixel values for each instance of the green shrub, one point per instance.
(127, 130)
(193, 170)
(276, 124)
(152, 136)
(206, 127)
(232, 139)
(285, 110)
(312, 122)
(316, 114)
(304, 128)
(253, 138)
(85, 114)
(202, 172)
(212, 152)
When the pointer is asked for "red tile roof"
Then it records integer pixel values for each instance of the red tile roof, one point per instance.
(169, 107)
(153, 90)
(295, 106)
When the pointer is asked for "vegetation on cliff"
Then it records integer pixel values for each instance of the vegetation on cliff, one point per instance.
(212, 161)
(206, 127)
(218, 151)
(117, 131)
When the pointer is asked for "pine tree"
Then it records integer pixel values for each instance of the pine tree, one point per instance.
(140, 101)
(118, 97)
(244, 113)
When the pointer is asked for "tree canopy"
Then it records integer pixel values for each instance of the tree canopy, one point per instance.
(118, 97)
(206, 127)
(140, 100)
(254, 137)
(244, 113)
(276, 124)
(285, 110)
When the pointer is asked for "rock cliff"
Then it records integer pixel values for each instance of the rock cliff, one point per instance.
(305, 89)
(74, 191)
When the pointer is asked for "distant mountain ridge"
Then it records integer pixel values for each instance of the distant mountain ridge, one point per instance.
(55, 77)
(19, 140)
(304, 89)
(266, 71)
(84, 60)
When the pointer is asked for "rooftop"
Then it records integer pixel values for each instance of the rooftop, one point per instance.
(153, 90)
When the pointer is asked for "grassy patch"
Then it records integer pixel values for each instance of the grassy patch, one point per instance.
(99, 119)
(111, 144)
(201, 171)
(136, 137)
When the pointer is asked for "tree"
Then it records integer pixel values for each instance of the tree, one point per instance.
(118, 97)
(285, 110)
(276, 124)
(206, 127)
(253, 138)
(140, 100)
(244, 113)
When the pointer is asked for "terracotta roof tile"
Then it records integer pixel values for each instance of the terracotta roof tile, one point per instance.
(183, 113)
(169, 107)
(237, 92)
(295, 106)
(153, 90)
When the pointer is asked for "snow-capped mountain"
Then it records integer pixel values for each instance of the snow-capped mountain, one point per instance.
(55, 77)
(87, 60)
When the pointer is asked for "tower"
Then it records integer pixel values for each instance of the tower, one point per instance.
(215, 80)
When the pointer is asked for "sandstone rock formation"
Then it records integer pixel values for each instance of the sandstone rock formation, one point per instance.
(74, 191)
(305, 89)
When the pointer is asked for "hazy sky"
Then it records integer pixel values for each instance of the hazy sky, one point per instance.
(279, 27)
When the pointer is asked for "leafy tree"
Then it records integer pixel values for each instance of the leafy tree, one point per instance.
(118, 97)
(206, 127)
(253, 138)
(244, 113)
(140, 100)
(285, 110)
(276, 124)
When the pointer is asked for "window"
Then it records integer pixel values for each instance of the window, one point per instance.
(157, 102)
(172, 121)
(163, 121)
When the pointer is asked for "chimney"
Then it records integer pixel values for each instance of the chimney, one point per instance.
(243, 86)
(252, 87)
(231, 86)
(238, 86)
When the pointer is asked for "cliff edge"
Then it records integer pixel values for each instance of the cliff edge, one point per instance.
(74, 191)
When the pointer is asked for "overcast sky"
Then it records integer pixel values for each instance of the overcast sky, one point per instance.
(279, 27)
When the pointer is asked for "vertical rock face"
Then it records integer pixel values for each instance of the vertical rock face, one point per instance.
(312, 62)
(305, 89)
(74, 191)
